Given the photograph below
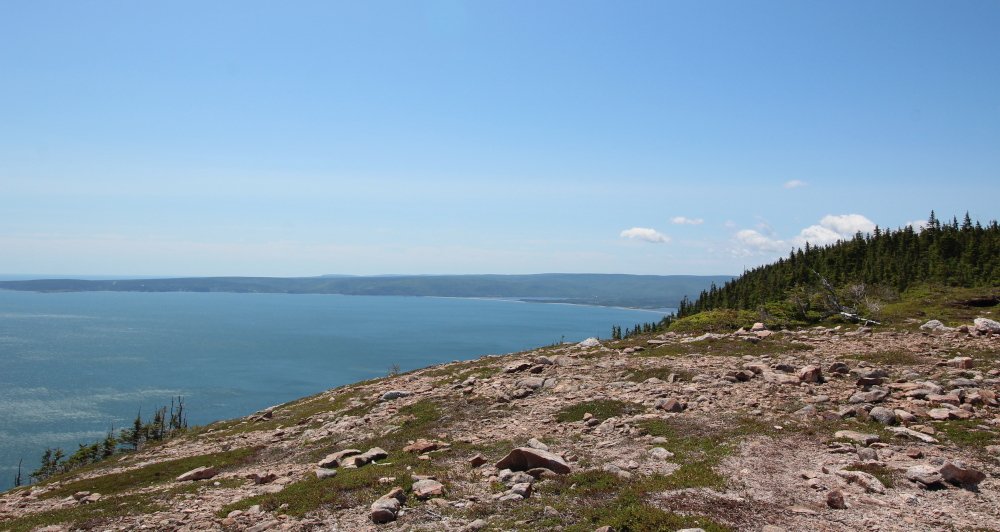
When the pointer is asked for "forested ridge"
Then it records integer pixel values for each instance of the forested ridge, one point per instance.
(954, 253)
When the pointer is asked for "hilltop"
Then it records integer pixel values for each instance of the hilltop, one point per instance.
(826, 427)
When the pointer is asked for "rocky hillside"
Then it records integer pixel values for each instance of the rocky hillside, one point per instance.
(822, 429)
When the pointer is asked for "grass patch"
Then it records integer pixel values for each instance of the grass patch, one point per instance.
(87, 516)
(153, 474)
(663, 373)
(892, 357)
(945, 303)
(601, 409)
(590, 499)
(727, 347)
(968, 433)
(351, 487)
(884, 475)
(720, 320)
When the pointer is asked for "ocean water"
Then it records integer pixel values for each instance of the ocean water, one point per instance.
(74, 364)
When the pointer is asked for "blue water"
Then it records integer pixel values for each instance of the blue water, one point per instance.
(73, 364)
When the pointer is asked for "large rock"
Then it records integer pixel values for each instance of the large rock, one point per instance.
(670, 405)
(865, 480)
(392, 395)
(365, 458)
(427, 488)
(525, 458)
(333, 460)
(875, 395)
(422, 446)
(903, 432)
(960, 474)
(961, 362)
(927, 476)
(199, 473)
(860, 437)
(589, 342)
(385, 510)
(986, 325)
(811, 374)
(933, 325)
(883, 415)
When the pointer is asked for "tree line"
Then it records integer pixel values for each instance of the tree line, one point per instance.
(952, 253)
(163, 424)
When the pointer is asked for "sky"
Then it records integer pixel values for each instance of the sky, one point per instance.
(301, 138)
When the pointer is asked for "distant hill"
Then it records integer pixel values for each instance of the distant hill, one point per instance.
(638, 291)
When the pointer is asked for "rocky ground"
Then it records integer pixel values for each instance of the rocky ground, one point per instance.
(840, 428)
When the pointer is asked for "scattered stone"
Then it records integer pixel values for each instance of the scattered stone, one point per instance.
(525, 458)
(985, 325)
(859, 437)
(515, 367)
(425, 489)
(883, 415)
(199, 473)
(392, 395)
(903, 432)
(940, 414)
(385, 510)
(670, 405)
(660, 453)
(961, 362)
(477, 460)
(835, 500)
(422, 446)
(865, 480)
(927, 476)
(476, 525)
(812, 374)
(962, 475)
(839, 368)
(875, 395)
(589, 342)
(323, 472)
(535, 444)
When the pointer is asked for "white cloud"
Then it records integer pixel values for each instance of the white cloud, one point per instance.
(684, 220)
(917, 225)
(645, 233)
(795, 183)
(830, 229)
(847, 224)
(753, 241)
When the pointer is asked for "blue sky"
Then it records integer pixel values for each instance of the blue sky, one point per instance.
(304, 138)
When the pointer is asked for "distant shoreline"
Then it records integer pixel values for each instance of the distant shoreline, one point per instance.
(635, 292)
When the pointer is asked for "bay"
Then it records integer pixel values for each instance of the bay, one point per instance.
(73, 365)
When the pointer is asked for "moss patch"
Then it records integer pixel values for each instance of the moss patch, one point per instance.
(153, 474)
(601, 409)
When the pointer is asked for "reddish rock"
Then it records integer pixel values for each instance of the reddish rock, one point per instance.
(960, 474)
(811, 374)
(200, 473)
(525, 458)
(835, 500)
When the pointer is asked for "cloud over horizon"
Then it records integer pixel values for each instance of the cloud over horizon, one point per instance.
(684, 220)
(646, 234)
(829, 230)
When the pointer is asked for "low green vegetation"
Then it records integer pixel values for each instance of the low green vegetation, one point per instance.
(727, 346)
(601, 409)
(590, 499)
(968, 433)
(157, 473)
(884, 475)
(891, 357)
(350, 487)
(718, 320)
(663, 373)
(89, 515)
